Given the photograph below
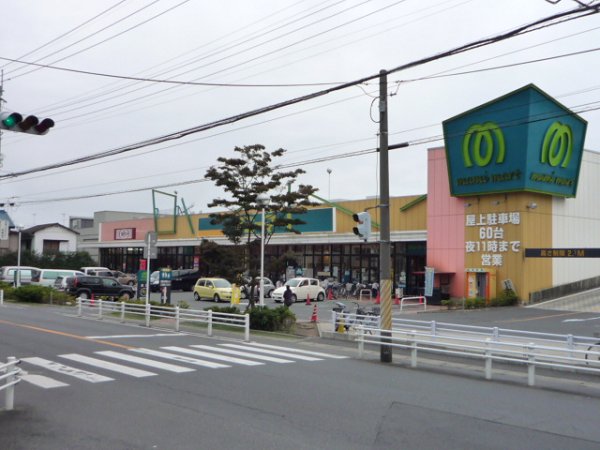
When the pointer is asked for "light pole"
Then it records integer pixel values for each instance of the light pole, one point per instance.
(19, 228)
(262, 200)
(329, 187)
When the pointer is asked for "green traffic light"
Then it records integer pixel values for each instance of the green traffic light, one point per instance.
(9, 122)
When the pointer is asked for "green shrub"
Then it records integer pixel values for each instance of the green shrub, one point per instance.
(506, 298)
(31, 294)
(224, 309)
(474, 303)
(278, 319)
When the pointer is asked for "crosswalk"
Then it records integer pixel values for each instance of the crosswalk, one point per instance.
(147, 362)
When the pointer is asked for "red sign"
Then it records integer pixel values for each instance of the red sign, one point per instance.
(143, 264)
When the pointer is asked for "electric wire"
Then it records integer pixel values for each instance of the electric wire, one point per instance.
(527, 28)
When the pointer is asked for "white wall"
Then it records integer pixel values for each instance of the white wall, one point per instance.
(54, 234)
(576, 224)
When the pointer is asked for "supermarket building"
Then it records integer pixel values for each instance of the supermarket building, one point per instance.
(511, 202)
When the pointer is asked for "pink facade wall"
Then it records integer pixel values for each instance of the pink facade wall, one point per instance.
(445, 224)
(142, 226)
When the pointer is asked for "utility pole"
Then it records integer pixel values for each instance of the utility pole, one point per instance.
(385, 285)
(1, 100)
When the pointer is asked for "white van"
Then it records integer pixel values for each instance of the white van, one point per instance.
(47, 277)
(8, 273)
(93, 270)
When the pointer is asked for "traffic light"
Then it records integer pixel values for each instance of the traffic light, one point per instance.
(363, 225)
(13, 121)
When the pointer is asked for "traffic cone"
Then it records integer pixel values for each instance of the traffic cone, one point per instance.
(329, 294)
(92, 300)
(308, 299)
(420, 300)
(314, 317)
(377, 299)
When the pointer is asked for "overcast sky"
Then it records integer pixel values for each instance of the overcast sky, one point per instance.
(296, 44)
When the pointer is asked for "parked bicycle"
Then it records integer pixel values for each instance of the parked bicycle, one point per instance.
(367, 318)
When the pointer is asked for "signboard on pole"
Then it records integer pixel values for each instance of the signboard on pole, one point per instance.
(150, 250)
(429, 273)
(3, 230)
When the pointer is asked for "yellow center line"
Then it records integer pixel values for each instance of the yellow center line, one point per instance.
(550, 316)
(62, 333)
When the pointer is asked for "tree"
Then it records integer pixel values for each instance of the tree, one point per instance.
(244, 178)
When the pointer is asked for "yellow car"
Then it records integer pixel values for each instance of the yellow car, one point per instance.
(216, 289)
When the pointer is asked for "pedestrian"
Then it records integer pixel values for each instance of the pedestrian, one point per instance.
(374, 289)
(288, 297)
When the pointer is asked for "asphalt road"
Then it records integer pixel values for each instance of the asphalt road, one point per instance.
(322, 397)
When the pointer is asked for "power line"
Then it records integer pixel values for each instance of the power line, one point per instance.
(533, 26)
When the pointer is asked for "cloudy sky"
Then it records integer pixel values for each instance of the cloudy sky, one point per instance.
(255, 54)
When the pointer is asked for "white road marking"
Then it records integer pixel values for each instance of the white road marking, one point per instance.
(146, 362)
(272, 352)
(101, 364)
(246, 354)
(581, 320)
(66, 370)
(180, 358)
(231, 359)
(305, 352)
(127, 336)
(43, 381)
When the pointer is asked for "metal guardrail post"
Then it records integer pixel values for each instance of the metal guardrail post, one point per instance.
(361, 340)
(147, 314)
(177, 318)
(100, 308)
(531, 365)
(413, 349)
(210, 322)
(247, 327)
(488, 359)
(433, 328)
(496, 333)
(9, 399)
(1, 297)
(570, 344)
(79, 308)
(122, 311)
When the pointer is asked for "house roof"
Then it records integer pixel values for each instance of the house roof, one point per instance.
(4, 216)
(36, 228)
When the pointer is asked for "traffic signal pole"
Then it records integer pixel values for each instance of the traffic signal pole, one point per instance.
(385, 285)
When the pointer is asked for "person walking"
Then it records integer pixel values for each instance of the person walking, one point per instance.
(288, 297)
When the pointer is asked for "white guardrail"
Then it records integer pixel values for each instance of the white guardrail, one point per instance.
(532, 349)
(170, 315)
(9, 377)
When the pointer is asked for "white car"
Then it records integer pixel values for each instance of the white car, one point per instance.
(302, 288)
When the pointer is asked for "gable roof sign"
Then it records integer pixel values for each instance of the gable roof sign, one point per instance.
(522, 141)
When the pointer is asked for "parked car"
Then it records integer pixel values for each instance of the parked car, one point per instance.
(85, 286)
(8, 274)
(216, 289)
(301, 289)
(124, 278)
(91, 270)
(268, 284)
(47, 277)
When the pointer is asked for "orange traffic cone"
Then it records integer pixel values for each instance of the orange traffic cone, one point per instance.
(92, 300)
(377, 299)
(314, 317)
(308, 299)
(329, 294)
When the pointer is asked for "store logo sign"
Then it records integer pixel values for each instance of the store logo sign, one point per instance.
(480, 143)
(524, 141)
(557, 147)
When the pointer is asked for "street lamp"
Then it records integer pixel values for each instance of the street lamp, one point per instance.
(262, 200)
(329, 190)
(19, 228)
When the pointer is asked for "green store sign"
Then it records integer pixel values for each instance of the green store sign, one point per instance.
(523, 141)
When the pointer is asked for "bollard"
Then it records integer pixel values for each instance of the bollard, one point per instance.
(100, 308)
(177, 318)
(1, 297)
(210, 322)
(361, 340)
(123, 312)
(148, 315)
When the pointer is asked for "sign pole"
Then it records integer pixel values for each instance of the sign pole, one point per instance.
(148, 272)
